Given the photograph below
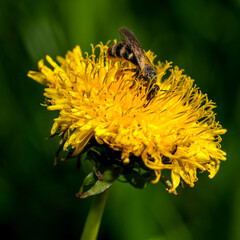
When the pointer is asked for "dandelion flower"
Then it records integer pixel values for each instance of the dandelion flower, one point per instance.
(103, 101)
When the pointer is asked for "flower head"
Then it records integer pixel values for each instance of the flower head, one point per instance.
(101, 99)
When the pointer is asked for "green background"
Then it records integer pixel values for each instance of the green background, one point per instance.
(37, 200)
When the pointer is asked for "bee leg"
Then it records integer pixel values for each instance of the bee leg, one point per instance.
(122, 71)
(132, 70)
(134, 76)
(146, 104)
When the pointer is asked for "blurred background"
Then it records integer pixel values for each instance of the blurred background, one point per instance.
(37, 200)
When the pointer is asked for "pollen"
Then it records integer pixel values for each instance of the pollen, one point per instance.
(101, 99)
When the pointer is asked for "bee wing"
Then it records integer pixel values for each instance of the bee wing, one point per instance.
(135, 46)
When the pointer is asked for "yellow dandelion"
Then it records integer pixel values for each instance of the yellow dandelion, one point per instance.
(102, 100)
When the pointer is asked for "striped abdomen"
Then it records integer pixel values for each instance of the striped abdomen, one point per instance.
(121, 50)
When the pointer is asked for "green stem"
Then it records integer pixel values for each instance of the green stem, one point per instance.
(92, 224)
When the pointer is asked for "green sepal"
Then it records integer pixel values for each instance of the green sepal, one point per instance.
(109, 176)
(91, 178)
(168, 184)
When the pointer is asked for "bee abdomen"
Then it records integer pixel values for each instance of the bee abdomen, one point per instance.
(121, 50)
(112, 50)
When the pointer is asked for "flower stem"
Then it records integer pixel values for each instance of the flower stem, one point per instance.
(92, 224)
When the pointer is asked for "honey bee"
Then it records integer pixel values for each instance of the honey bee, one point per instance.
(130, 50)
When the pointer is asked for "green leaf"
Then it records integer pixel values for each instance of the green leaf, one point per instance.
(109, 176)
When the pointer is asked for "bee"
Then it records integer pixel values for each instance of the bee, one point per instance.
(130, 50)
